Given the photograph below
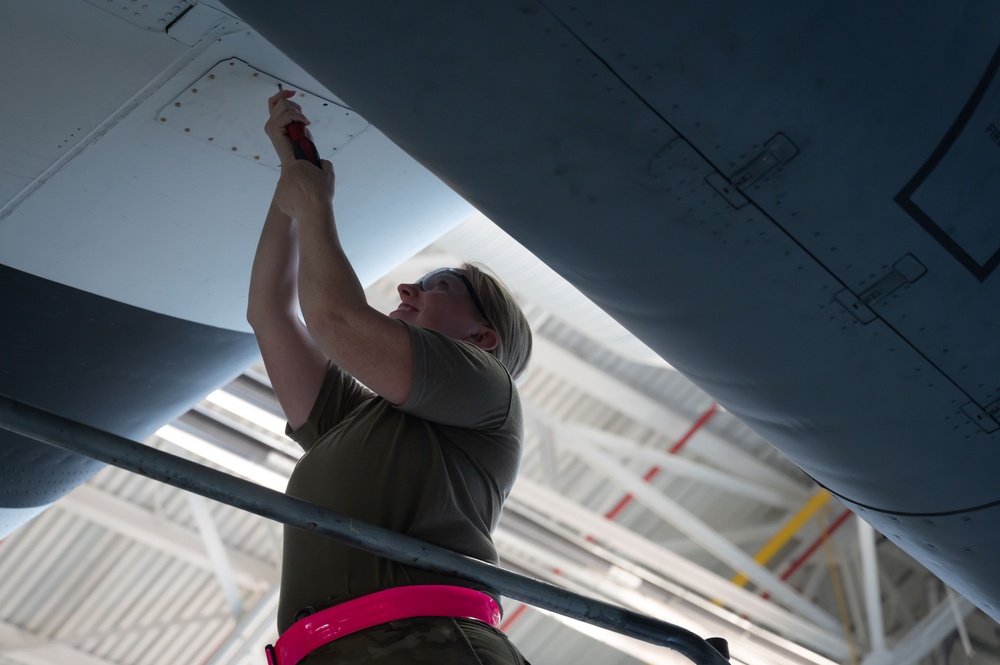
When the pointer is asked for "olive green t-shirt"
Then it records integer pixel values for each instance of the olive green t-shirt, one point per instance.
(438, 468)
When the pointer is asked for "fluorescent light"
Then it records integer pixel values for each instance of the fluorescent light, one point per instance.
(227, 460)
(624, 578)
(247, 411)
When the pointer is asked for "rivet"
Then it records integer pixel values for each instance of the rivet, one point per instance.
(256, 156)
(177, 104)
(231, 63)
(194, 90)
(163, 119)
(255, 74)
(187, 129)
(234, 148)
(211, 76)
(210, 138)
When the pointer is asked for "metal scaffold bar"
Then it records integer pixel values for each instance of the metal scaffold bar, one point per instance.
(67, 434)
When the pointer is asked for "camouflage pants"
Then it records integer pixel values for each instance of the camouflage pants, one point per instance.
(421, 641)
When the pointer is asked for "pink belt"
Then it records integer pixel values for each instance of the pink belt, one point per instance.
(405, 602)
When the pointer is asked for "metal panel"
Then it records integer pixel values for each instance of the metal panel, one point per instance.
(138, 214)
(80, 69)
(154, 15)
(213, 109)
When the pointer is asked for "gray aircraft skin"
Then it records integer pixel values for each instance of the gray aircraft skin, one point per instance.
(795, 206)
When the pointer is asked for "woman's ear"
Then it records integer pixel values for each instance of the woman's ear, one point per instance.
(486, 339)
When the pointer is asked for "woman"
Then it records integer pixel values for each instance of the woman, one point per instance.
(410, 421)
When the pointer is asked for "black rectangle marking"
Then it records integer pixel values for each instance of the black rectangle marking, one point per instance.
(957, 204)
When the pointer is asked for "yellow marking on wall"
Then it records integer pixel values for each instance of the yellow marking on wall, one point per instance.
(786, 532)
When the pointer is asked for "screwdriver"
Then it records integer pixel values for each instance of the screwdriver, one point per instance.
(303, 147)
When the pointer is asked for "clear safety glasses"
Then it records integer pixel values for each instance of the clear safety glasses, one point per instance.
(445, 279)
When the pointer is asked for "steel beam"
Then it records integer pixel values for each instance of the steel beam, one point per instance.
(870, 585)
(744, 535)
(541, 562)
(143, 527)
(925, 636)
(681, 466)
(644, 409)
(216, 549)
(956, 610)
(19, 646)
(249, 629)
(671, 566)
(695, 529)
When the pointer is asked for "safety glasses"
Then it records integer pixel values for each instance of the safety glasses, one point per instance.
(444, 279)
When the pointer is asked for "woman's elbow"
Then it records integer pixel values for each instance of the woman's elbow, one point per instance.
(322, 323)
(264, 314)
(255, 315)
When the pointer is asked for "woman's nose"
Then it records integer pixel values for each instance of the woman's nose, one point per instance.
(405, 289)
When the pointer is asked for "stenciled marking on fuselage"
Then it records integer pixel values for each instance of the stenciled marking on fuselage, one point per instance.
(994, 133)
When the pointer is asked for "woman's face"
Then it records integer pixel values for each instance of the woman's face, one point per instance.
(440, 301)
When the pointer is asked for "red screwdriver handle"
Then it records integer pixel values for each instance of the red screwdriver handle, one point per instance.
(303, 147)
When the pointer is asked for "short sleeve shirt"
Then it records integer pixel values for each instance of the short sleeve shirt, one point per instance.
(438, 468)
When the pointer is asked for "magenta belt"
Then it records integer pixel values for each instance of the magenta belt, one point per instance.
(405, 602)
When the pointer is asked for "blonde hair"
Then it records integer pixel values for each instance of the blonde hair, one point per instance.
(505, 317)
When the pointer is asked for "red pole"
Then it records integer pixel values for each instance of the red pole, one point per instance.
(815, 546)
(676, 448)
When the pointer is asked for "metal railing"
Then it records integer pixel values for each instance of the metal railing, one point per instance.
(76, 437)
